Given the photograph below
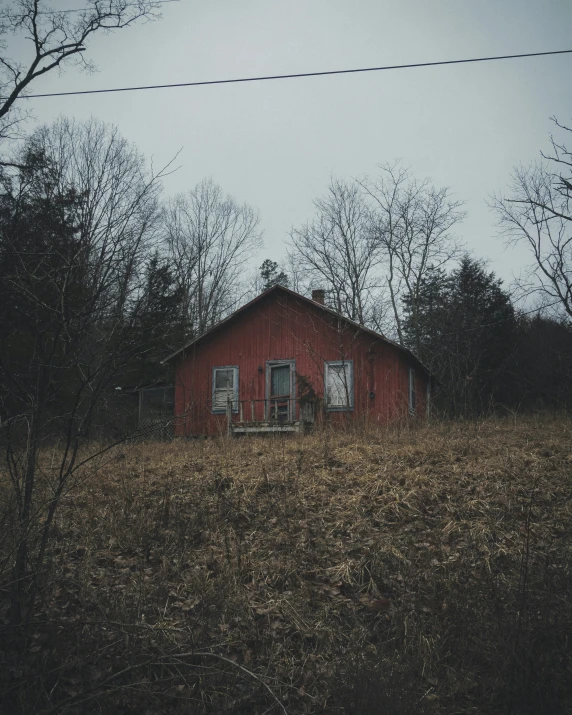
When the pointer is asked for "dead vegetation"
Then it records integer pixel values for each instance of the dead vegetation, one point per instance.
(421, 570)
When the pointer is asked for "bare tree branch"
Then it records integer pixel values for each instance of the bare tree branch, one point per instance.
(412, 225)
(537, 213)
(56, 40)
(209, 238)
(77, 220)
(336, 251)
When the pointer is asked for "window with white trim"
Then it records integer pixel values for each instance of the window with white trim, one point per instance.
(339, 385)
(412, 392)
(225, 388)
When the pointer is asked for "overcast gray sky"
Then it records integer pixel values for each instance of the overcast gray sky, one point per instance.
(275, 145)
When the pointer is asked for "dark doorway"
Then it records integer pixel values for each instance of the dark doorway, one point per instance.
(280, 391)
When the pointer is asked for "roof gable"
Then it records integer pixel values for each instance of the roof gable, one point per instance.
(276, 290)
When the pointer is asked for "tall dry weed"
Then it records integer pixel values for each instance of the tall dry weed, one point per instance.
(422, 568)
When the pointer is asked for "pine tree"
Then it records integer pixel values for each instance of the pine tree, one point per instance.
(158, 327)
(41, 269)
(465, 331)
(543, 363)
(271, 274)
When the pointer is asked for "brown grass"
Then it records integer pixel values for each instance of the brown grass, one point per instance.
(415, 570)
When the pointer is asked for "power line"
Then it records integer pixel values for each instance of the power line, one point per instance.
(295, 76)
(5, 16)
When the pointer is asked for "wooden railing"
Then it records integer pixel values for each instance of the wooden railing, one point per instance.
(278, 410)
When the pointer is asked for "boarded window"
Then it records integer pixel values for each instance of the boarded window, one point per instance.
(339, 384)
(412, 392)
(225, 388)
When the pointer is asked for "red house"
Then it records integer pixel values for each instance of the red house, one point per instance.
(283, 361)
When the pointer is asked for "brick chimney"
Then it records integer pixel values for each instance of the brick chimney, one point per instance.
(319, 296)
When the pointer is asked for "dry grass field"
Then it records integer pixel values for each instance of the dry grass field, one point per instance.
(413, 570)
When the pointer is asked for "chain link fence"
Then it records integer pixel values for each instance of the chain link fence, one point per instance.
(156, 412)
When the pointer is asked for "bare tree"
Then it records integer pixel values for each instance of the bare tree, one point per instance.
(538, 214)
(118, 207)
(75, 223)
(411, 229)
(209, 238)
(56, 39)
(338, 252)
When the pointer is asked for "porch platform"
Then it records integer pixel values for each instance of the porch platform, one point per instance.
(266, 427)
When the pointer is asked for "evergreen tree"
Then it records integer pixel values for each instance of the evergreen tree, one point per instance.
(41, 269)
(158, 328)
(77, 213)
(543, 363)
(271, 274)
(424, 320)
(465, 330)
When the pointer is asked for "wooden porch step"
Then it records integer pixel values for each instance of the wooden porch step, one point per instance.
(265, 427)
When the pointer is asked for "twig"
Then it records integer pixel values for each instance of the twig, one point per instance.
(165, 660)
(206, 654)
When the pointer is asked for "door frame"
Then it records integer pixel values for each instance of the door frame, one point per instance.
(291, 405)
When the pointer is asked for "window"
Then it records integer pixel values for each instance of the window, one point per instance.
(412, 393)
(339, 384)
(225, 388)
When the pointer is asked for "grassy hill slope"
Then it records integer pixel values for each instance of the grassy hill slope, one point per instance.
(424, 570)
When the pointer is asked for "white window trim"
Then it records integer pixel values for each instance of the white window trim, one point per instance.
(412, 392)
(339, 363)
(222, 411)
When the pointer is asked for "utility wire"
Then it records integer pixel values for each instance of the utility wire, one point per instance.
(295, 76)
(8, 16)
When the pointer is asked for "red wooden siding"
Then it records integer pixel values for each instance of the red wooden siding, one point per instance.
(281, 326)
